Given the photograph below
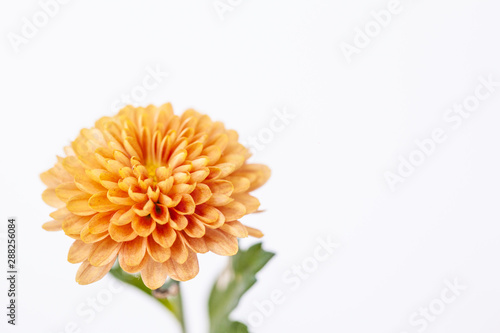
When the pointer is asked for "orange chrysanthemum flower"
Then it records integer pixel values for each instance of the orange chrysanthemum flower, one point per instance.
(153, 189)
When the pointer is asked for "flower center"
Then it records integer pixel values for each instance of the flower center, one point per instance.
(151, 167)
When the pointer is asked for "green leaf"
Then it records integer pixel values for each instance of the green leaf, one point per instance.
(232, 284)
(172, 303)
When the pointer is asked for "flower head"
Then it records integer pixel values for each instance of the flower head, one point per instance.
(152, 189)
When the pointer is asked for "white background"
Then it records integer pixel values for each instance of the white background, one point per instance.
(352, 122)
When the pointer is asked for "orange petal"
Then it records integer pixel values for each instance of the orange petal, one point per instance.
(132, 269)
(49, 179)
(154, 274)
(218, 200)
(177, 221)
(207, 213)
(199, 176)
(105, 252)
(74, 224)
(183, 272)
(144, 208)
(136, 195)
(88, 237)
(220, 186)
(258, 174)
(213, 153)
(108, 180)
(156, 251)
(177, 159)
(164, 235)
(133, 148)
(225, 170)
(196, 244)
(233, 211)
(51, 199)
(195, 227)
(88, 274)
(61, 214)
(99, 223)
(119, 197)
(122, 233)
(221, 243)
(79, 251)
(65, 191)
(235, 228)
(99, 202)
(73, 166)
(143, 225)
(160, 214)
(240, 184)
(133, 251)
(52, 225)
(123, 216)
(194, 150)
(186, 206)
(79, 205)
(235, 159)
(254, 232)
(84, 183)
(179, 250)
(183, 188)
(201, 193)
(251, 203)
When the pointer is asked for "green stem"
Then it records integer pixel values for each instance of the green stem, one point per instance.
(181, 310)
(171, 303)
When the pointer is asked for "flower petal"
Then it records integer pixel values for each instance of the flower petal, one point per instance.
(183, 272)
(233, 211)
(65, 191)
(52, 225)
(221, 243)
(105, 252)
(51, 199)
(254, 232)
(132, 269)
(88, 237)
(195, 227)
(143, 225)
(164, 235)
(154, 274)
(251, 203)
(100, 202)
(122, 233)
(80, 251)
(156, 251)
(99, 223)
(186, 206)
(73, 224)
(88, 274)
(235, 228)
(240, 184)
(132, 252)
(79, 205)
(201, 193)
(179, 250)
